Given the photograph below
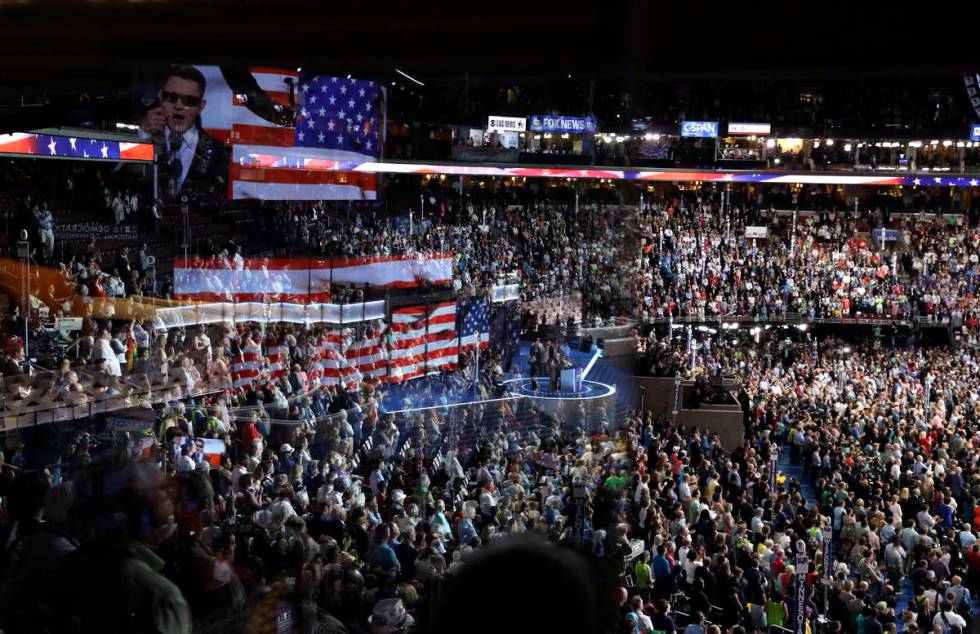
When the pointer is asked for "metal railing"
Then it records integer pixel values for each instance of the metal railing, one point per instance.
(18, 418)
(799, 318)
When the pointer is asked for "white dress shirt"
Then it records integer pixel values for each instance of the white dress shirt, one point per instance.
(186, 152)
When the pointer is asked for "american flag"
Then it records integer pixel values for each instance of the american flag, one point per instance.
(338, 114)
(275, 157)
(476, 324)
(278, 359)
(369, 355)
(246, 366)
(423, 341)
(45, 145)
(347, 360)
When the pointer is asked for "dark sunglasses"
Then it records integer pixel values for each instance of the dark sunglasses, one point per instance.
(189, 100)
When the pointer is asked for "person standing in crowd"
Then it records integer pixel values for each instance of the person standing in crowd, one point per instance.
(44, 221)
(123, 266)
(118, 209)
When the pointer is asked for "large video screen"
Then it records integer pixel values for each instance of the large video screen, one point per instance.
(261, 133)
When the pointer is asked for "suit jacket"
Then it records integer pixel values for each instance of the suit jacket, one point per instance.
(207, 177)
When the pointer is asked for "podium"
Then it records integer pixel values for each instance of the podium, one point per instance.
(571, 380)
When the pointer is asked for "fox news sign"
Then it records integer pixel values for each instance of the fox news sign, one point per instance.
(559, 123)
(703, 129)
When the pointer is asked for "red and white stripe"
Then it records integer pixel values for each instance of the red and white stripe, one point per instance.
(136, 151)
(277, 356)
(313, 376)
(247, 366)
(368, 355)
(288, 183)
(469, 342)
(337, 339)
(350, 376)
(270, 280)
(228, 118)
(400, 271)
(331, 366)
(421, 343)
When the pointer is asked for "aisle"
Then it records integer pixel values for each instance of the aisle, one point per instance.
(906, 592)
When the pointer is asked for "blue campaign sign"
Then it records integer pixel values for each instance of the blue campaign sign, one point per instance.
(975, 132)
(560, 123)
(703, 129)
(884, 235)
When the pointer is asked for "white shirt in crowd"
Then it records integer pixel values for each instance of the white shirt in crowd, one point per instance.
(954, 620)
(103, 350)
(185, 464)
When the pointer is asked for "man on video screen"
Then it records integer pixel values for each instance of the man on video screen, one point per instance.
(191, 162)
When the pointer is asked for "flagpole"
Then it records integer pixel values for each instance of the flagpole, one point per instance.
(459, 338)
(476, 367)
(388, 335)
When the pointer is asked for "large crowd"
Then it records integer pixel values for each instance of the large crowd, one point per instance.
(335, 503)
(364, 517)
(682, 256)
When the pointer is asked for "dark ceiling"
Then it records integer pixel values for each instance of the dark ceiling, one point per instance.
(75, 44)
(77, 60)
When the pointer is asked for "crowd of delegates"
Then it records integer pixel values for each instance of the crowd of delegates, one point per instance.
(324, 499)
(888, 442)
(335, 517)
(294, 371)
(551, 248)
(683, 256)
(696, 262)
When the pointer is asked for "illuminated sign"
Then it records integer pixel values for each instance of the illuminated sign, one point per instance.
(701, 129)
(506, 124)
(74, 147)
(558, 123)
(749, 128)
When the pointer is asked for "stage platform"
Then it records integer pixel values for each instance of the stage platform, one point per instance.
(592, 407)
(590, 390)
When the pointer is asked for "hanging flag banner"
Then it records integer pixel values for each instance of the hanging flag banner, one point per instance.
(55, 146)
(302, 280)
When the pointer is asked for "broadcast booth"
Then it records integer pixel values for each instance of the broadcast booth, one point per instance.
(745, 145)
(499, 142)
(571, 138)
(698, 144)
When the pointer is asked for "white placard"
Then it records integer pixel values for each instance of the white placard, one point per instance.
(506, 124)
(749, 128)
(757, 232)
